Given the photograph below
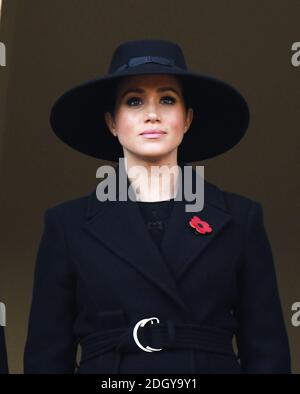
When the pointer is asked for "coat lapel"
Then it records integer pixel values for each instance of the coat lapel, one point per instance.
(189, 244)
(119, 225)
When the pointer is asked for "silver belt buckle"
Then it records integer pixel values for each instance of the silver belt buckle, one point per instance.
(139, 324)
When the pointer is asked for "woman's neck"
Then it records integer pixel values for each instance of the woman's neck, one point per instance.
(153, 181)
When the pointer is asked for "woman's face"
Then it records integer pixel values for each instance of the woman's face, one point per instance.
(149, 103)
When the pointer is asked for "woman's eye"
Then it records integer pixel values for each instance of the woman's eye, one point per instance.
(169, 98)
(134, 100)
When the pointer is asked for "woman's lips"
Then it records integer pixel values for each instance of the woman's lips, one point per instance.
(152, 134)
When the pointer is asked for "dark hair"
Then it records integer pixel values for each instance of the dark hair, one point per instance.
(111, 96)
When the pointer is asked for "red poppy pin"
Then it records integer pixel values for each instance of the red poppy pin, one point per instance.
(199, 225)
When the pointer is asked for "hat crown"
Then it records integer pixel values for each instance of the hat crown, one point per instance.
(138, 52)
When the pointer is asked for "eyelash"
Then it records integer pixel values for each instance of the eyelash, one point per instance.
(137, 98)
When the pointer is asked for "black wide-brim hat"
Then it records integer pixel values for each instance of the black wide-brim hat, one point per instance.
(221, 114)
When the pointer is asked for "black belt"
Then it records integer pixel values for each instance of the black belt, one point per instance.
(155, 337)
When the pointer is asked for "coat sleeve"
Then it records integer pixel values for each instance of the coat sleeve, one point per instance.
(51, 345)
(262, 339)
(3, 355)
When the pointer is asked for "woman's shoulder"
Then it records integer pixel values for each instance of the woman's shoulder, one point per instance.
(70, 209)
(236, 203)
(233, 196)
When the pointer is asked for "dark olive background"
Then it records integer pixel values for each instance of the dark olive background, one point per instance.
(55, 44)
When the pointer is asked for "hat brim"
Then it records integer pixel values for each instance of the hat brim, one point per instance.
(221, 116)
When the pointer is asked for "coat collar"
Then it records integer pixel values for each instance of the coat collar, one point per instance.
(120, 226)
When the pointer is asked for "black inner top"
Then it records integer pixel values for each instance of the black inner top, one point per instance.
(156, 215)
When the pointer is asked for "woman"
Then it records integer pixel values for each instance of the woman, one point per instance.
(142, 285)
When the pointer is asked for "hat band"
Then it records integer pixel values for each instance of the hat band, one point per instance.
(137, 61)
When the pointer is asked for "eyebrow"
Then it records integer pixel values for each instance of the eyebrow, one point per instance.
(140, 90)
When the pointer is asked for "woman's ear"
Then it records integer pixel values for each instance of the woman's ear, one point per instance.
(110, 123)
(189, 119)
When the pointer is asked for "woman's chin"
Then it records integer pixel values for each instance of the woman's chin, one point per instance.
(154, 157)
(153, 152)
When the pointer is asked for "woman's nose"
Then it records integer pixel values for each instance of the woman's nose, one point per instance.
(152, 116)
(152, 110)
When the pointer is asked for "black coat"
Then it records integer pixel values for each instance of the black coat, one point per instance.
(3, 355)
(98, 272)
